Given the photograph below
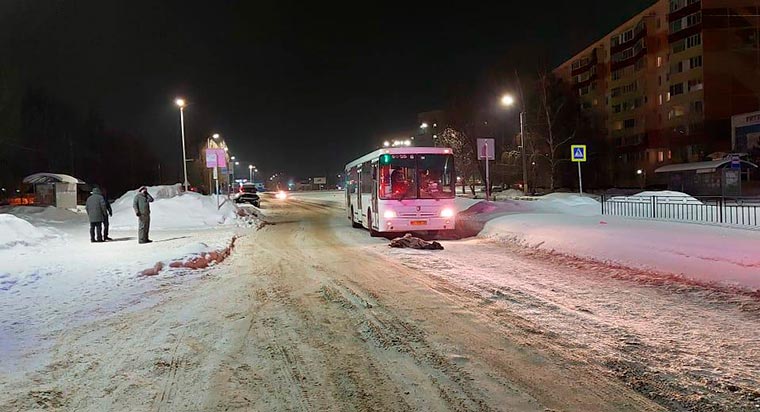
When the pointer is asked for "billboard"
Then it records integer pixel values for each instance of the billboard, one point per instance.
(745, 133)
(216, 158)
(320, 180)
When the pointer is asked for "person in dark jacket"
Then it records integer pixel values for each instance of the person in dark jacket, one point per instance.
(96, 212)
(105, 220)
(141, 204)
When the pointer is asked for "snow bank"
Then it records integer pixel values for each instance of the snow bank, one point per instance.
(15, 231)
(569, 203)
(705, 253)
(508, 194)
(663, 196)
(40, 216)
(174, 210)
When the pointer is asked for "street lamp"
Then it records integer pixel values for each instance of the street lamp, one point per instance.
(181, 103)
(508, 101)
(250, 172)
(643, 176)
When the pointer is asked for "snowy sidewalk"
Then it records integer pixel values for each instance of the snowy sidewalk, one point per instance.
(573, 225)
(52, 278)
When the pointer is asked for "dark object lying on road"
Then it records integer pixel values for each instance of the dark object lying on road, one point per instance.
(415, 243)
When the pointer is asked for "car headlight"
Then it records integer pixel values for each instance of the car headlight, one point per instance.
(389, 214)
(447, 212)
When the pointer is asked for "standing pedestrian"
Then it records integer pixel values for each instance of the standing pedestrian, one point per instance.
(105, 218)
(141, 204)
(96, 212)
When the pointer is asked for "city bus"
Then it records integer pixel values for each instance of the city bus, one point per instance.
(404, 189)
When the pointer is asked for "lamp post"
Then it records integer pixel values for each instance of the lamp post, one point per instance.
(643, 177)
(232, 171)
(424, 126)
(213, 138)
(508, 101)
(181, 103)
(250, 172)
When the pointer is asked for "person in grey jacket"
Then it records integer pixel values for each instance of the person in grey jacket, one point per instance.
(141, 204)
(97, 212)
(105, 220)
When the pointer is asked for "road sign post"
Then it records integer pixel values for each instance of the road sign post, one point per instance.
(578, 155)
(486, 151)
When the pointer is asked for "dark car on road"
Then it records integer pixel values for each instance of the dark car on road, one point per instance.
(247, 194)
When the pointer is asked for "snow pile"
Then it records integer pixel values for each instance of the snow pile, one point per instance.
(42, 216)
(705, 253)
(508, 194)
(569, 203)
(18, 232)
(174, 210)
(664, 196)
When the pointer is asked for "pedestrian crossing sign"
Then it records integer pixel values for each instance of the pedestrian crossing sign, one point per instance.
(578, 152)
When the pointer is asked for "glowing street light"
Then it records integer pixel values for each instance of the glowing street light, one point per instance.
(215, 135)
(386, 143)
(424, 125)
(181, 104)
(507, 101)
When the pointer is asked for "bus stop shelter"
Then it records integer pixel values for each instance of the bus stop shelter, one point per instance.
(54, 189)
(710, 178)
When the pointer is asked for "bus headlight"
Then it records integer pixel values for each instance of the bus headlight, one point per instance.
(389, 214)
(447, 212)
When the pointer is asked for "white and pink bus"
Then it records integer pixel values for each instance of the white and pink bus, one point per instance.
(409, 189)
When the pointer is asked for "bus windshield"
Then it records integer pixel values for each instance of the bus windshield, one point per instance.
(416, 176)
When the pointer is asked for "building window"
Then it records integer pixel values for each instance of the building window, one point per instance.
(698, 106)
(676, 68)
(629, 123)
(660, 156)
(686, 22)
(694, 40)
(676, 89)
(659, 99)
(659, 60)
(616, 108)
(618, 125)
(676, 111)
(695, 62)
(615, 92)
(695, 84)
(679, 46)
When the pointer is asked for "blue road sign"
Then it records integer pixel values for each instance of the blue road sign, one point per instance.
(578, 152)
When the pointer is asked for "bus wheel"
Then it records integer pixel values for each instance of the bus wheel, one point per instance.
(372, 232)
(353, 222)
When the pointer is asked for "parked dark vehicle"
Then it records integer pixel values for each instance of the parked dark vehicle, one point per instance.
(247, 194)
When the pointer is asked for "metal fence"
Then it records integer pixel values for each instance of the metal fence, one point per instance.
(716, 210)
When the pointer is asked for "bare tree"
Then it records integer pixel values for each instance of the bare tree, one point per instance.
(464, 155)
(559, 128)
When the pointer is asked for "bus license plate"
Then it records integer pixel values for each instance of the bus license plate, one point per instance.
(419, 222)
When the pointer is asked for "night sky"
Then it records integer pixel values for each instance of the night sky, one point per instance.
(302, 88)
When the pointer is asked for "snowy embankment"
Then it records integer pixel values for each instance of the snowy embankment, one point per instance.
(51, 275)
(573, 225)
(172, 210)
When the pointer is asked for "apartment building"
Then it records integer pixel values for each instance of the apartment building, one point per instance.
(665, 84)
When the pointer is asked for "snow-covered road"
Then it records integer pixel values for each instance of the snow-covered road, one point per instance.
(310, 314)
